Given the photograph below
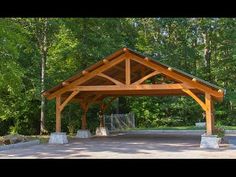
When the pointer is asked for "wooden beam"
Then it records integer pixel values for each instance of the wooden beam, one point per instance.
(146, 77)
(68, 99)
(46, 93)
(123, 70)
(127, 71)
(177, 76)
(110, 79)
(87, 76)
(58, 114)
(198, 100)
(209, 114)
(132, 87)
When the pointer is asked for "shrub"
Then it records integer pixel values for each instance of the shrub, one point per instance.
(220, 132)
(71, 128)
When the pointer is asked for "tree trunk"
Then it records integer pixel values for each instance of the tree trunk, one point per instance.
(43, 51)
(42, 117)
(207, 56)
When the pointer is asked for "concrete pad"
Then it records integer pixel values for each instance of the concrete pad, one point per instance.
(128, 146)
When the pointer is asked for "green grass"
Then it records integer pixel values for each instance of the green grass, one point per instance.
(229, 127)
(182, 128)
(42, 138)
(170, 128)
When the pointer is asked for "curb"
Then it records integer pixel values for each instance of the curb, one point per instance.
(18, 145)
(230, 131)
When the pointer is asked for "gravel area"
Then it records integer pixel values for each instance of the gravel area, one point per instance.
(125, 146)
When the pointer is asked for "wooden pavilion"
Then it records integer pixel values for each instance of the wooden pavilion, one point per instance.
(128, 73)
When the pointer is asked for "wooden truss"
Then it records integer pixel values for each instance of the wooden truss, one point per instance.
(126, 73)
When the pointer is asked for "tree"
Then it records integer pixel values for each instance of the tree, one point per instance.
(43, 31)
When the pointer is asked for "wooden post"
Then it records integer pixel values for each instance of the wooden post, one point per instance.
(58, 114)
(209, 114)
(84, 107)
(127, 71)
(84, 121)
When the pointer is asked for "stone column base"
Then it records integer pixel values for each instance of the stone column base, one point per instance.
(83, 134)
(102, 131)
(210, 141)
(58, 138)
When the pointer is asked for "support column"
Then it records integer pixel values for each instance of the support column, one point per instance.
(209, 114)
(209, 140)
(84, 133)
(84, 120)
(58, 137)
(58, 114)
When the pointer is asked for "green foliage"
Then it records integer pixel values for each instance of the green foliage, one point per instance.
(75, 43)
(220, 132)
(165, 111)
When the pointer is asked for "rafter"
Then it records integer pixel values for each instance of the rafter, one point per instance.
(177, 76)
(88, 76)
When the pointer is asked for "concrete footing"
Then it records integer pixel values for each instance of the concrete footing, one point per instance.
(83, 134)
(210, 141)
(58, 138)
(102, 131)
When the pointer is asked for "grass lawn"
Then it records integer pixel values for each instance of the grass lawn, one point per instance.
(182, 128)
(41, 138)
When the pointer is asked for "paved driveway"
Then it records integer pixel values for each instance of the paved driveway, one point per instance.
(124, 146)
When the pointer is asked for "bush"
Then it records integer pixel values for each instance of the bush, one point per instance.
(71, 128)
(220, 132)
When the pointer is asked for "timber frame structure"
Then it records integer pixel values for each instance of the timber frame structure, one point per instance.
(128, 73)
